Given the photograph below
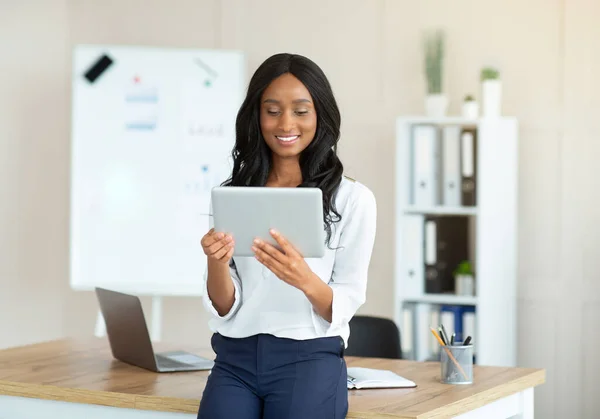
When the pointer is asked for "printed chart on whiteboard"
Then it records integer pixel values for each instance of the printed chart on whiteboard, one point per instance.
(152, 134)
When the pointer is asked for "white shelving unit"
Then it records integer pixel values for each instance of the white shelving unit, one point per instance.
(494, 222)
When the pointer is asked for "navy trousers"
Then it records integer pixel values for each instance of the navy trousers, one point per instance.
(265, 377)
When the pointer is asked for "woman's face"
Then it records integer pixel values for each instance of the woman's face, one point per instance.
(288, 119)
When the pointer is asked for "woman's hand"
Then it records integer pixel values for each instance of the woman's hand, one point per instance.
(218, 247)
(287, 264)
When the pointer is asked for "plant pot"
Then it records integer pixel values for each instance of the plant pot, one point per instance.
(464, 285)
(470, 110)
(491, 94)
(436, 105)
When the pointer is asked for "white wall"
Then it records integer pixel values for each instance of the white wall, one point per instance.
(546, 49)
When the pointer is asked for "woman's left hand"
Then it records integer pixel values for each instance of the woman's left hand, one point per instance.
(287, 264)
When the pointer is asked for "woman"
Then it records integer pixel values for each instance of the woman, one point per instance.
(281, 321)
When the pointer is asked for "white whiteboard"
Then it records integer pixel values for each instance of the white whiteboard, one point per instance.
(151, 135)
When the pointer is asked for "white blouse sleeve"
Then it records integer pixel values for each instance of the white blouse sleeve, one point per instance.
(237, 285)
(351, 265)
(208, 305)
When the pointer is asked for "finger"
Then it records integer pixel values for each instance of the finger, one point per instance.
(211, 237)
(268, 263)
(222, 252)
(286, 246)
(219, 244)
(267, 260)
(229, 254)
(270, 250)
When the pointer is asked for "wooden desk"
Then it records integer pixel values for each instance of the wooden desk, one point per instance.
(69, 378)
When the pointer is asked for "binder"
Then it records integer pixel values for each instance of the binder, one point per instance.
(435, 320)
(460, 320)
(446, 244)
(468, 166)
(432, 280)
(469, 316)
(408, 332)
(412, 245)
(426, 166)
(448, 317)
(422, 349)
(451, 170)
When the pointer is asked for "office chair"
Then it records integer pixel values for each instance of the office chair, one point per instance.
(373, 337)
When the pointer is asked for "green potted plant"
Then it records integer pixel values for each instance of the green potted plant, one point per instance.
(436, 102)
(491, 91)
(470, 107)
(464, 279)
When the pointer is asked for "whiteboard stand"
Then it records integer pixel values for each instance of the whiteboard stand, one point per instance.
(100, 325)
(156, 331)
(155, 325)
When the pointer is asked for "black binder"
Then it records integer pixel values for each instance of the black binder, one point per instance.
(468, 166)
(450, 247)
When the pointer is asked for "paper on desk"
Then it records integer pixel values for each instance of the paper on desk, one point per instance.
(359, 377)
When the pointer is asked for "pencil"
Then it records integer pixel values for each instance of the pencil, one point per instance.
(449, 353)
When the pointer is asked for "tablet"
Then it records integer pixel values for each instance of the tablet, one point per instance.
(249, 212)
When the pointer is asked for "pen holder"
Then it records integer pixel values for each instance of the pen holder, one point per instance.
(456, 364)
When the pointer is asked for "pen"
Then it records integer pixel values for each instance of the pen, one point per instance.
(442, 337)
(467, 341)
(452, 339)
(444, 334)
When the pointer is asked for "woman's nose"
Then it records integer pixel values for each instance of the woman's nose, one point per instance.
(286, 122)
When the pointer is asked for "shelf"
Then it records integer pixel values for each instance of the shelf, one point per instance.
(450, 299)
(441, 210)
(447, 120)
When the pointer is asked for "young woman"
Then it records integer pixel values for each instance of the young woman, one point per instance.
(281, 321)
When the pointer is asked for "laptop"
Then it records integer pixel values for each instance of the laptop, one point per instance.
(130, 341)
(247, 212)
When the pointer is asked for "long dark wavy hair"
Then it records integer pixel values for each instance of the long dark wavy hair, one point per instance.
(319, 162)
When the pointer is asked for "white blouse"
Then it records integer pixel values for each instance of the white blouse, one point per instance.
(265, 304)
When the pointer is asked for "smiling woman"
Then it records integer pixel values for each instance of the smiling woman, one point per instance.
(281, 321)
(287, 95)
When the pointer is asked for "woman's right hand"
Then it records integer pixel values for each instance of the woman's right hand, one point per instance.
(218, 246)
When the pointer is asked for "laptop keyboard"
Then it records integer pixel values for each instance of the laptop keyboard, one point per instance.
(170, 363)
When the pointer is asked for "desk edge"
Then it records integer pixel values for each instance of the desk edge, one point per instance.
(56, 393)
(181, 405)
(535, 378)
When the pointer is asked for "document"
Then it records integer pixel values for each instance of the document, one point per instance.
(359, 378)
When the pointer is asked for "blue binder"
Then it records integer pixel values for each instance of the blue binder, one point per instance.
(458, 312)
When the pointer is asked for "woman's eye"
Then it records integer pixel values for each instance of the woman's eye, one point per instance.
(301, 112)
(272, 112)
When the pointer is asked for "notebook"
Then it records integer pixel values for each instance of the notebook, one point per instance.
(359, 377)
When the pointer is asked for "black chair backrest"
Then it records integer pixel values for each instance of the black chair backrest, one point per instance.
(374, 337)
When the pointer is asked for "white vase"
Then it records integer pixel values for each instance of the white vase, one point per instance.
(436, 105)
(491, 95)
(464, 285)
(470, 110)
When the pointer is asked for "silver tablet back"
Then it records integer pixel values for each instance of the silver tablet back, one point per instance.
(249, 212)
